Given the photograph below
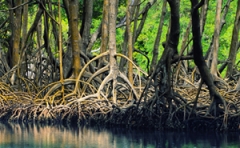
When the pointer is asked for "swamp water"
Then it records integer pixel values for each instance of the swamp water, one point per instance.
(58, 136)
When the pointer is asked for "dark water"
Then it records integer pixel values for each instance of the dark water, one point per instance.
(39, 136)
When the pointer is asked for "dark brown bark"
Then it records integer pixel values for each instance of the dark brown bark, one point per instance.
(67, 57)
(86, 23)
(54, 23)
(164, 64)
(24, 21)
(199, 59)
(47, 33)
(162, 73)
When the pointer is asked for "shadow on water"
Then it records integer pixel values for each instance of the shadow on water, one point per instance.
(59, 136)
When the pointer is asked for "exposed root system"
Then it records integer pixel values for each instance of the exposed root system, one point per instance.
(97, 98)
(21, 107)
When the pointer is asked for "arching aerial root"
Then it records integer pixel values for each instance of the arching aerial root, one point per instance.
(150, 115)
(88, 100)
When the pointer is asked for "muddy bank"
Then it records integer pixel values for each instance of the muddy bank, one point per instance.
(104, 115)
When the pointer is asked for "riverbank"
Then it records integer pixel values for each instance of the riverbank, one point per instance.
(98, 113)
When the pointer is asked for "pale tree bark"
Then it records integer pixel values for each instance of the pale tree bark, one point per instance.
(131, 5)
(208, 56)
(114, 72)
(214, 63)
(135, 15)
(75, 36)
(112, 45)
(137, 28)
(234, 43)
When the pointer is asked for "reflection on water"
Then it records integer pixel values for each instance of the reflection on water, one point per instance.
(58, 136)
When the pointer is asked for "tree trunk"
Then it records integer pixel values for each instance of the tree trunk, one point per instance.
(162, 73)
(24, 21)
(222, 22)
(112, 45)
(86, 23)
(203, 15)
(75, 36)
(16, 31)
(158, 38)
(199, 59)
(135, 17)
(130, 42)
(68, 56)
(55, 35)
(127, 19)
(234, 43)
(214, 64)
(24, 35)
(104, 36)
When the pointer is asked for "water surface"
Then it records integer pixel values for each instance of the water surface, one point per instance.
(59, 136)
